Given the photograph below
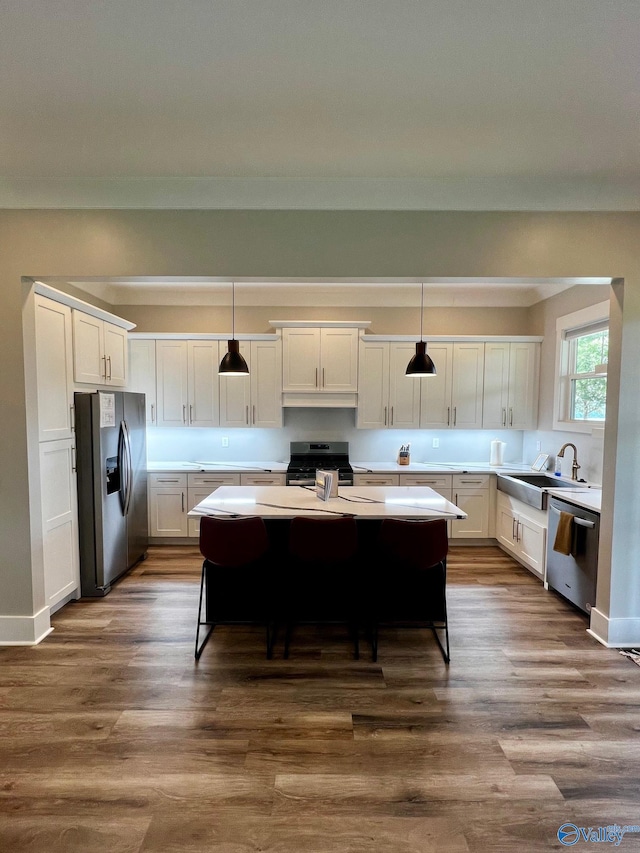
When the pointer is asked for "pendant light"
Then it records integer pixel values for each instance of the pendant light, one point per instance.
(233, 364)
(421, 364)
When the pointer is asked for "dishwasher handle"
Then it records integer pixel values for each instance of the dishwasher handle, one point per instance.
(581, 522)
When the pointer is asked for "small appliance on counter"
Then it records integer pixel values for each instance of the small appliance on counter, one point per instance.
(404, 455)
(307, 457)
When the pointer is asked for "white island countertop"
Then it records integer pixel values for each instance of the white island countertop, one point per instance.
(372, 502)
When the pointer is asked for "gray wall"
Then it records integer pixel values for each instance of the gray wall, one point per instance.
(327, 245)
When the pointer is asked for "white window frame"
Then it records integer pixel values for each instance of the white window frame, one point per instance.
(568, 322)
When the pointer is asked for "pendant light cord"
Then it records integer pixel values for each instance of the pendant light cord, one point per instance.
(233, 310)
(421, 309)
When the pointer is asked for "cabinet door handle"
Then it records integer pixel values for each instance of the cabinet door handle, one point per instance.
(246, 416)
(391, 416)
(182, 501)
(385, 415)
(510, 416)
(517, 531)
(153, 413)
(72, 418)
(190, 413)
(316, 377)
(448, 415)
(109, 360)
(254, 414)
(184, 414)
(471, 482)
(504, 416)
(74, 466)
(455, 415)
(323, 377)
(513, 529)
(104, 366)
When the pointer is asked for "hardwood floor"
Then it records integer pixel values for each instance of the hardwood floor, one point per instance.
(112, 738)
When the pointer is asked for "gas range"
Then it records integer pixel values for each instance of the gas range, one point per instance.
(308, 456)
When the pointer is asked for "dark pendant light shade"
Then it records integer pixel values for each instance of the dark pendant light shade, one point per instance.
(233, 364)
(421, 364)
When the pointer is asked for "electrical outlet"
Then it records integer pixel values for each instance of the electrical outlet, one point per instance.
(435, 442)
(538, 446)
(225, 441)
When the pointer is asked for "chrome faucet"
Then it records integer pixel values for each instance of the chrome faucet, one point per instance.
(574, 465)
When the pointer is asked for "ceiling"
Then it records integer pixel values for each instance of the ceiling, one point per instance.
(388, 104)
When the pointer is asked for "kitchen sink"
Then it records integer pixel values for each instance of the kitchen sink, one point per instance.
(532, 488)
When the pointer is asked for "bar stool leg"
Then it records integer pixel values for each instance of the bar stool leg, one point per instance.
(199, 650)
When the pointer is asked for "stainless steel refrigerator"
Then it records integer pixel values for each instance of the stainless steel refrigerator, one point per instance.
(112, 486)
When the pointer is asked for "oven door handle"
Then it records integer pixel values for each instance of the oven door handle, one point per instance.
(581, 522)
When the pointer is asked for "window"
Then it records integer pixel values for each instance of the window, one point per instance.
(583, 350)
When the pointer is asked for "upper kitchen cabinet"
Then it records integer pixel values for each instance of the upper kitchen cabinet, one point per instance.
(142, 374)
(254, 400)
(54, 366)
(511, 378)
(187, 383)
(387, 398)
(319, 363)
(99, 351)
(453, 397)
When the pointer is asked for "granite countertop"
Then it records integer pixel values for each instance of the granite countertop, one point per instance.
(230, 466)
(361, 467)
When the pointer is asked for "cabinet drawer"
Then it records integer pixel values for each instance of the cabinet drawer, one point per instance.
(433, 481)
(376, 479)
(167, 479)
(204, 480)
(470, 481)
(263, 479)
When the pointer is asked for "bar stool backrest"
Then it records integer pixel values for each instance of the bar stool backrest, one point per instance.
(419, 543)
(233, 541)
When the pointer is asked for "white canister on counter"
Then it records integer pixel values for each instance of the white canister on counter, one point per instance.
(497, 452)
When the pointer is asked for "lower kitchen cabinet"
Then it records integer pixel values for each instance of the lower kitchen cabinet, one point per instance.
(168, 505)
(522, 531)
(471, 492)
(375, 479)
(59, 521)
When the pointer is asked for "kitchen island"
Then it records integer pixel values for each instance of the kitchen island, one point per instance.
(366, 502)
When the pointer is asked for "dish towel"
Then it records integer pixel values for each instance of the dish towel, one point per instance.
(564, 535)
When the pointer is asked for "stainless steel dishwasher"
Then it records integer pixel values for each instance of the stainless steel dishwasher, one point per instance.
(574, 576)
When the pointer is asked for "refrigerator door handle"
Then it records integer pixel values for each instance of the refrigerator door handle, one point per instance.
(126, 467)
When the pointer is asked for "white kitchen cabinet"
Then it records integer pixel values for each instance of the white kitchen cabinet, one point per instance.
(440, 483)
(59, 521)
(142, 374)
(320, 360)
(167, 505)
(387, 398)
(472, 493)
(511, 379)
(254, 400)
(376, 480)
(453, 397)
(54, 368)
(265, 479)
(187, 383)
(466, 386)
(522, 531)
(435, 391)
(199, 487)
(100, 351)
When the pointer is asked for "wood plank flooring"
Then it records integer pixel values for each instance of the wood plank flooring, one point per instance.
(112, 739)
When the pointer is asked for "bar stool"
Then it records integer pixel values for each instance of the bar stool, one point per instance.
(322, 572)
(237, 570)
(410, 578)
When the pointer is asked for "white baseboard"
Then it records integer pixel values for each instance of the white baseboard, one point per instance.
(25, 630)
(614, 633)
